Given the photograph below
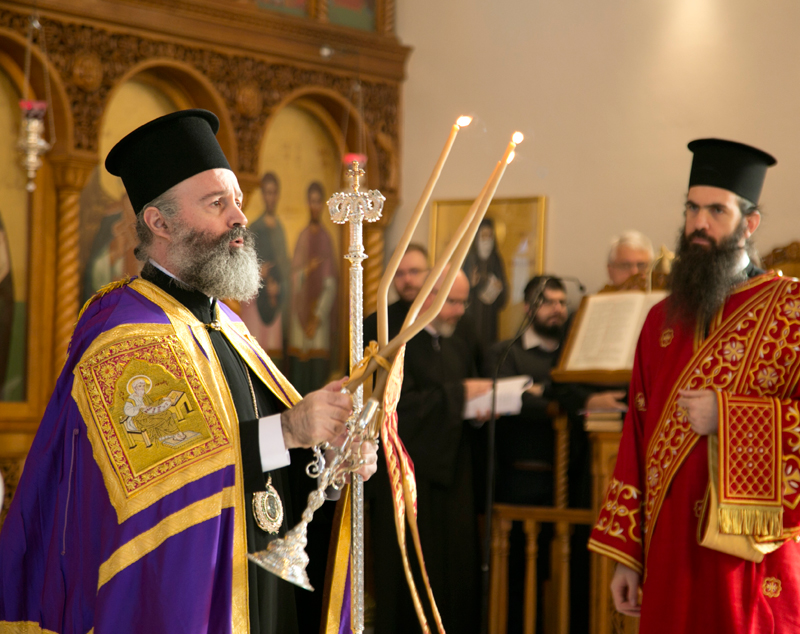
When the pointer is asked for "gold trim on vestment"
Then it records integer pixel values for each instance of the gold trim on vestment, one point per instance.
(146, 542)
(194, 334)
(341, 565)
(259, 362)
(615, 554)
(619, 515)
(749, 479)
(673, 439)
(130, 490)
(23, 627)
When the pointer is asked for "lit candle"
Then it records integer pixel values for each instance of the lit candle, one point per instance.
(457, 249)
(459, 245)
(383, 288)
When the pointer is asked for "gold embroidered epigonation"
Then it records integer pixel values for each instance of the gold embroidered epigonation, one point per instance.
(154, 425)
(759, 326)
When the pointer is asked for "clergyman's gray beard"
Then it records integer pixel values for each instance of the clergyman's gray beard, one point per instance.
(445, 329)
(211, 266)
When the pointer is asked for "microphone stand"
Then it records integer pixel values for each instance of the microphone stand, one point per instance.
(535, 303)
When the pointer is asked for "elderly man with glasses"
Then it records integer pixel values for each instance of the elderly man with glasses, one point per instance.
(630, 254)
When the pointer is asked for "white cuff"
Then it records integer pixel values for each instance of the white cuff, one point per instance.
(274, 453)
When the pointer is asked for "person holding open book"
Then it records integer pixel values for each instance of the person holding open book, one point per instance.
(703, 507)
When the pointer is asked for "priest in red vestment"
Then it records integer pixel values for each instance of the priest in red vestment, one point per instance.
(702, 511)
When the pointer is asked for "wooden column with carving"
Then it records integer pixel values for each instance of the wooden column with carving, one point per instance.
(71, 175)
(374, 245)
(386, 17)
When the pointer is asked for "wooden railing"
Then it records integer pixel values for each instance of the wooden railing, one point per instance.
(532, 517)
(602, 616)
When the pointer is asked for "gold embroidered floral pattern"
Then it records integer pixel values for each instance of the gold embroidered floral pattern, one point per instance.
(755, 327)
(791, 456)
(767, 377)
(792, 309)
(619, 515)
(150, 408)
(733, 351)
(771, 587)
(640, 403)
(666, 337)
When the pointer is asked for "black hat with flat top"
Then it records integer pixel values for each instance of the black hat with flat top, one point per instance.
(737, 167)
(164, 152)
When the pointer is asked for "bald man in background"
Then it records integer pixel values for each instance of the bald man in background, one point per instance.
(440, 366)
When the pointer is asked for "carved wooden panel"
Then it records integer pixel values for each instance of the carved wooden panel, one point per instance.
(236, 59)
(91, 61)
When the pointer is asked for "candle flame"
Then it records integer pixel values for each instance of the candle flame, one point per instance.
(517, 137)
(510, 157)
(463, 121)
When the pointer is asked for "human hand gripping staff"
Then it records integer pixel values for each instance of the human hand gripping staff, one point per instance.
(286, 557)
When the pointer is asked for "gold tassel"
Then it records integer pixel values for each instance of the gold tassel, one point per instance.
(104, 291)
(752, 520)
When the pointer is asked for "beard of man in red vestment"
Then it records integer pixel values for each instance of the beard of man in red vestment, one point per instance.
(703, 274)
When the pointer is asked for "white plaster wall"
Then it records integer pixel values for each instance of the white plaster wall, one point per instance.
(608, 94)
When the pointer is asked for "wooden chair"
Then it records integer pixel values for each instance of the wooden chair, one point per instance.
(784, 260)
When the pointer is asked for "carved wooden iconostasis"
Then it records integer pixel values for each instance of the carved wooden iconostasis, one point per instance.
(295, 84)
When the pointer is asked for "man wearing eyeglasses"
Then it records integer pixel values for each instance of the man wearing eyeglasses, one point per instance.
(408, 280)
(630, 254)
(702, 512)
(439, 370)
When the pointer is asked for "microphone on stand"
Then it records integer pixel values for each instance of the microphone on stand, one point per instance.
(533, 299)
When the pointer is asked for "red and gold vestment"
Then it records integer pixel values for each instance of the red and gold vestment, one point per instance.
(651, 520)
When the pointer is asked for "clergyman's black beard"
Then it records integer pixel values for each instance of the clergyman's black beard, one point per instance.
(702, 276)
(555, 331)
(209, 264)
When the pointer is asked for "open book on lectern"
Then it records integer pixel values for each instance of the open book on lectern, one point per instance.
(602, 341)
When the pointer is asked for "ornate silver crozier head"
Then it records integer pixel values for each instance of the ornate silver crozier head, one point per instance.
(286, 557)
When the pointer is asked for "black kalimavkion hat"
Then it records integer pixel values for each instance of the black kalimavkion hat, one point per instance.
(737, 167)
(164, 152)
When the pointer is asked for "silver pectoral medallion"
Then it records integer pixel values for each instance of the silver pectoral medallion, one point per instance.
(268, 509)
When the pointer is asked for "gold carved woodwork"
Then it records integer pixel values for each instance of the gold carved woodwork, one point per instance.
(385, 17)
(71, 175)
(236, 59)
(249, 101)
(319, 9)
(87, 71)
(373, 268)
(77, 49)
(784, 259)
